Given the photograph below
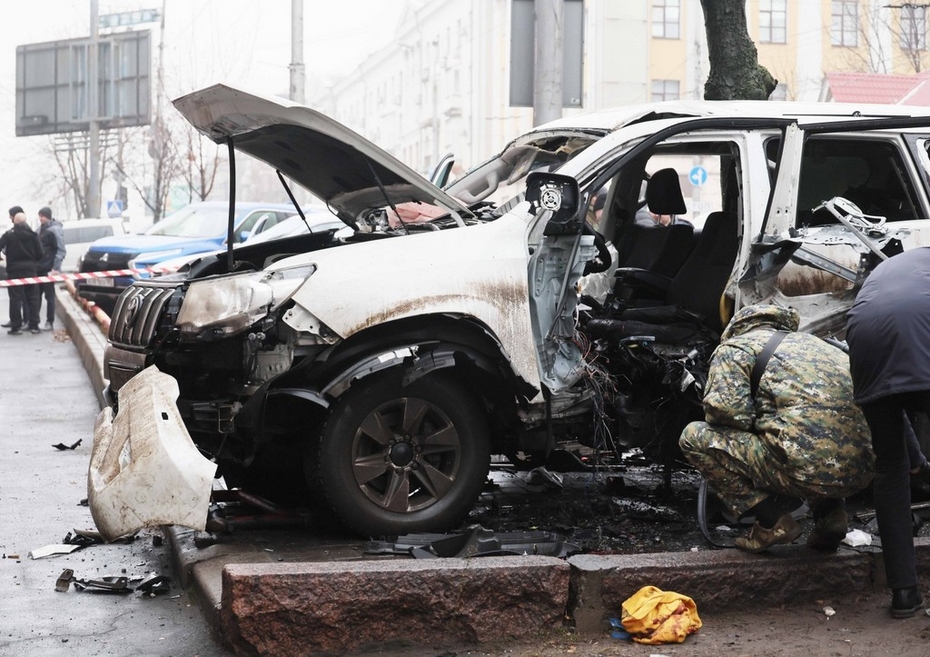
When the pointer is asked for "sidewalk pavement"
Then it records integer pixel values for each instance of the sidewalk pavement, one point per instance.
(300, 596)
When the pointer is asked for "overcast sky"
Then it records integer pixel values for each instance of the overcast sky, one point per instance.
(246, 43)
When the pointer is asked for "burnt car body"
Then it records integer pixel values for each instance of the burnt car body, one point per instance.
(379, 372)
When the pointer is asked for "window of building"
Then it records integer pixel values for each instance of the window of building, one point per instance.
(773, 21)
(844, 26)
(913, 27)
(665, 90)
(666, 19)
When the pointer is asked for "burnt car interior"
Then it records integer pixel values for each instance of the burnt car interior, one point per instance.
(664, 313)
(662, 316)
(868, 172)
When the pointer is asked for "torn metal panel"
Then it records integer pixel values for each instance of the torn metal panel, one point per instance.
(145, 470)
(53, 550)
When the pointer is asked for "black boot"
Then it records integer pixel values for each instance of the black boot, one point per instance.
(905, 602)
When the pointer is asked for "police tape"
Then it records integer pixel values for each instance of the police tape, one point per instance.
(84, 276)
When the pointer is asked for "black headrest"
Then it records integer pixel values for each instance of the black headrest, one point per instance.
(663, 193)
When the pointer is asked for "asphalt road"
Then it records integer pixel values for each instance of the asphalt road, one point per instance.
(46, 398)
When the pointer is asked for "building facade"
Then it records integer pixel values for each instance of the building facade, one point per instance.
(443, 83)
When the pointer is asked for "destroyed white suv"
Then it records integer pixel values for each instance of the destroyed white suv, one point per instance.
(521, 306)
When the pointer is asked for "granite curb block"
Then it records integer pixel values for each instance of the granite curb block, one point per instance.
(260, 607)
(249, 599)
(275, 608)
(334, 607)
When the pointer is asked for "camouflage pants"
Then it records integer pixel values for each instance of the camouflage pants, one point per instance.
(743, 470)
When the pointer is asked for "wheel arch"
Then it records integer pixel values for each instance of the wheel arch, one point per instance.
(418, 346)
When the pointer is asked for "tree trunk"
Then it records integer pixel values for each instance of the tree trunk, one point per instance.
(735, 72)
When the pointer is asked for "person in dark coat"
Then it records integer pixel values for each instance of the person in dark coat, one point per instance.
(888, 332)
(23, 253)
(52, 238)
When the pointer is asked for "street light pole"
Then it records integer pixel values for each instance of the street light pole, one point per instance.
(547, 94)
(298, 77)
(92, 203)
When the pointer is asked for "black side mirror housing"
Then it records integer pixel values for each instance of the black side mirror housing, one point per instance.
(560, 195)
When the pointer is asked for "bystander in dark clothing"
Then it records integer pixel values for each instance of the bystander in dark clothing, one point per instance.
(888, 331)
(52, 238)
(23, 253)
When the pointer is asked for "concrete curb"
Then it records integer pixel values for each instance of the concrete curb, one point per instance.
(229, 580)
(86, 335)
(254, 603)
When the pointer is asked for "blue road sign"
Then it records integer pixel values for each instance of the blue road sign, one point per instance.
(698, 176)
(114, 208)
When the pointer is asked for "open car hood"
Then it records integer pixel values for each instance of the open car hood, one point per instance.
(340, 167)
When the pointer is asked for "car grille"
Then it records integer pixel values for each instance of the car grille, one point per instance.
(138, 312)
(92, 261)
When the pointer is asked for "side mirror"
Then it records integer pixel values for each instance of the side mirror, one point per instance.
(558, 194)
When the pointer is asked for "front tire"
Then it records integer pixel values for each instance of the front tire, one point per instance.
(396, 459)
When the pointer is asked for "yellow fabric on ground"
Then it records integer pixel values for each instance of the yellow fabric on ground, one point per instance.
(653, 616)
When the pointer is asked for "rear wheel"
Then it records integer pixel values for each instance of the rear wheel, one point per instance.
(394, 459)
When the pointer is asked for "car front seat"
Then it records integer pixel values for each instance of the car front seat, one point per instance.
(688, 303)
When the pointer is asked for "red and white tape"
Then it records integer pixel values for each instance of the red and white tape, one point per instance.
(83, 276)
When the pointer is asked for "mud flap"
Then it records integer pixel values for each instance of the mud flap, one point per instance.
(144, 468)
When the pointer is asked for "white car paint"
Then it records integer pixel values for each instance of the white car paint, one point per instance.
(81, 233)
(144, 469)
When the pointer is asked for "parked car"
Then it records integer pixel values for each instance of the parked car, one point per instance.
(316, 220)
(196, 228)
(508, 312)
(81, 233)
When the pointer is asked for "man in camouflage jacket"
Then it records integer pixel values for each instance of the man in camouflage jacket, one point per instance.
(802, 436)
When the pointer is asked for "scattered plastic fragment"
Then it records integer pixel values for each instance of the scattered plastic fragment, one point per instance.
(618, 631)
(53, 550)
(477, 541)
(829, 611)
(542, 475)
(857, 538)
(62, 446)
(63, 583)
(154, 584)
(104, 585)
(82, 538)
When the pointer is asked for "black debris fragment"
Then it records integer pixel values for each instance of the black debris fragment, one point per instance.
(477, 541)
(81, 538)
(104, 585)
(62, 446)
(63, 583)
(154, 584)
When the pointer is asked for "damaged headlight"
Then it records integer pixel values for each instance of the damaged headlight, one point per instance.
(224, 306)
(229, 305)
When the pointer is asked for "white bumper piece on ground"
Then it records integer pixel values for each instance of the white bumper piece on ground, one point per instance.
(144, 468)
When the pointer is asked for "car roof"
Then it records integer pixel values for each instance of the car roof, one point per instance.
(614, 118)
